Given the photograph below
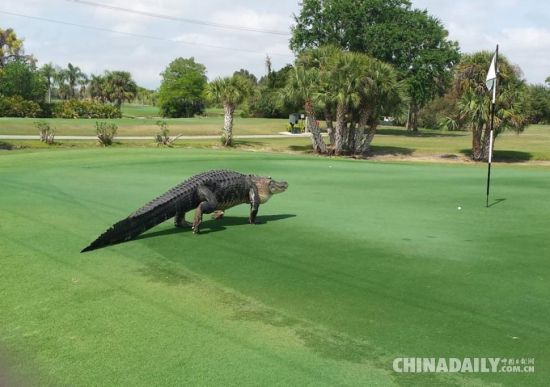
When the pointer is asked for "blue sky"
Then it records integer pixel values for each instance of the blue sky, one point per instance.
(520, 27)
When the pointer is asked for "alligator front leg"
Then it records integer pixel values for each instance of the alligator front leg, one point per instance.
(254, 205)
(217, 215)
(179, 220)
(208, 205)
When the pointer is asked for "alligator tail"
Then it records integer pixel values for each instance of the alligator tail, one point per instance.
(150, 215)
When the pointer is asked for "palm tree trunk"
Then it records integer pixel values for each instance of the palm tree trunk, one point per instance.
(360, 132)
(316, 138)
(366, 134)
(477, 149)
(330, 126)
(412, 117)
(228, 110)
(340, 128)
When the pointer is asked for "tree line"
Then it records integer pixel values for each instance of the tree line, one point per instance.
(28, 90)
(356, 62)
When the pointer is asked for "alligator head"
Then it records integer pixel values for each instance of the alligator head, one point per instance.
(268, 187)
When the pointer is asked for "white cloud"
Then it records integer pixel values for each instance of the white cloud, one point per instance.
(527, 39)
(520, 27)
(247, 18)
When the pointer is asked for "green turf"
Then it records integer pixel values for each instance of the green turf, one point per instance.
(136, 110)
(359, 262)
(210, 125)
(532, 145)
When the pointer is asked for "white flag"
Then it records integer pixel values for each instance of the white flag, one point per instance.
(491, 79)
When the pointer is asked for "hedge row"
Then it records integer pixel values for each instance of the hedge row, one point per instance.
(16, 106)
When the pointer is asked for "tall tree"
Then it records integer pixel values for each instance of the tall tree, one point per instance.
(229, 91)
(181, 92)
(359, 88)
(474, 103)
(19, 77)
(11, 48)
(120, 87)
(48, 72)
(60, 79)
(247, 74)
(412, 41)
(303, 87)
(97, 88)
(380, 94)
(73, 75)
(538, 104)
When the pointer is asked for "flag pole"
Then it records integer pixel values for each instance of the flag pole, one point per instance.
(491, 134)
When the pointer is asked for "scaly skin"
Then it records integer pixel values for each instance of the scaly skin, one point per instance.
(209, 192)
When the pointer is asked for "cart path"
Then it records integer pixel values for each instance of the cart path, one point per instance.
(199, 137)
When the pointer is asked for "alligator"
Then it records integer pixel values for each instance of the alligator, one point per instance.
(209, 192)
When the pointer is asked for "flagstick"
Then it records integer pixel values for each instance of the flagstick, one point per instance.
(490, 154)
(493, 102)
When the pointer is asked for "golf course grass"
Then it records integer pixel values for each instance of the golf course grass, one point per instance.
(356, 264)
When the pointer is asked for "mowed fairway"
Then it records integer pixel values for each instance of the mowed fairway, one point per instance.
(356, 264)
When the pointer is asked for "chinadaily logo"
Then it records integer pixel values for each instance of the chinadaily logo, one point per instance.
(463, 365)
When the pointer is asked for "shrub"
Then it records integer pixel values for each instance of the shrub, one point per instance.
(432, 116)
(106, 132)
(5, 145)
(16, 106)
(74, 108)
(163, 136)
(47, 134)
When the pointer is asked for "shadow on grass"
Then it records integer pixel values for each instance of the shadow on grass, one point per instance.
(5, 146)
(505, 156)
(497, 201)
(212, 225)
(239, 142)
(419, 133)
(301, 148)
(377, 150)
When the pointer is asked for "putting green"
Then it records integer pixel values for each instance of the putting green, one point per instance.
(356, 264)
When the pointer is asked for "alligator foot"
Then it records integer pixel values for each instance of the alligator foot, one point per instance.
(184, 224)
(217, 215)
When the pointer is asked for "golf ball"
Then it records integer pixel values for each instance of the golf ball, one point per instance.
(459, 208)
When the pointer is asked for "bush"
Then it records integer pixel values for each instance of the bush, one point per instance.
(106, 132)
(163, 136)
(74, 108)
(5, 145)
(47, 134)
(434, 115)
(176, 108)
(16, 106)
(267, 104)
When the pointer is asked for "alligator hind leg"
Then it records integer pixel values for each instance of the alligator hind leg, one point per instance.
(207, 206)
(179, 220)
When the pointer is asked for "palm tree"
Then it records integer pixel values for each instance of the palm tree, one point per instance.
(73, 74)
(229, 91)
(48, 72)
(380, 94)
(318, 58)
(303, 85)
(342, 74)
(120, 87)
(474, 102)
(60, 77)
(97, 88)
(83, 83)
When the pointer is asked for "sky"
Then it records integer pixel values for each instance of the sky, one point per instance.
(97, 35)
